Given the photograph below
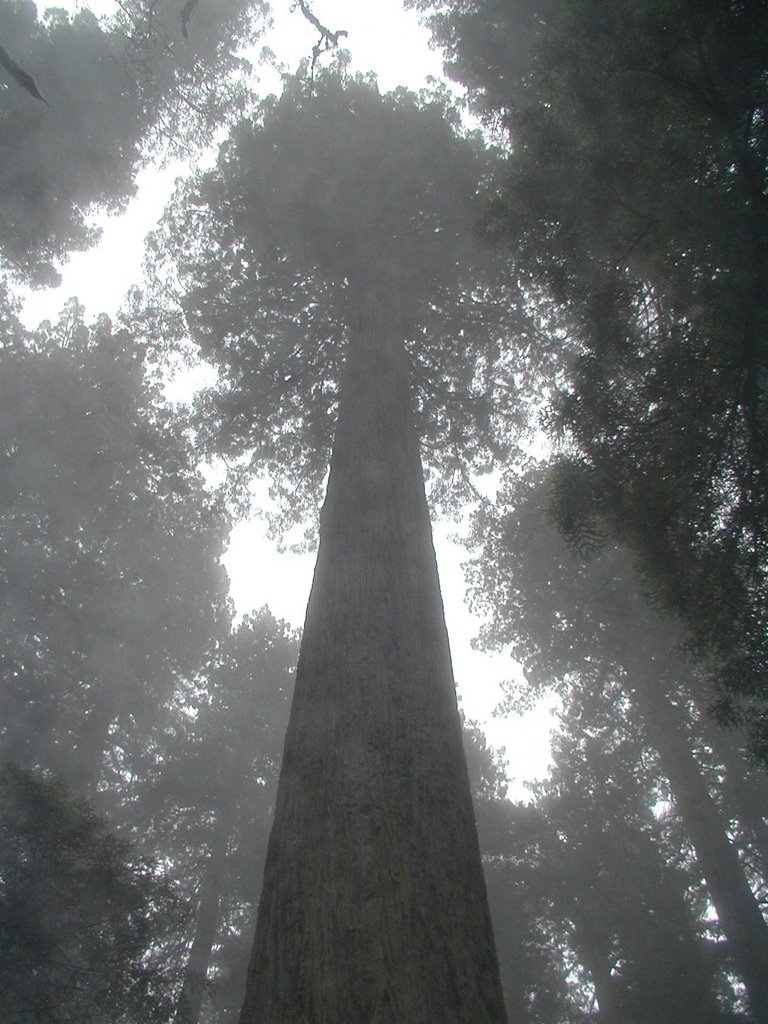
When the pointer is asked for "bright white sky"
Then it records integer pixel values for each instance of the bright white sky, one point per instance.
(390, 41)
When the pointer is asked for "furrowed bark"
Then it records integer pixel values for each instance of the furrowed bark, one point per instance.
(373, 909)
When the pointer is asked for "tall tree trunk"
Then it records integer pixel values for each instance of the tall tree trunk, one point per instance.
(593, 953)
(745, 789)
(661, 926)
(373, 909)
(206, 925)
(737, 909)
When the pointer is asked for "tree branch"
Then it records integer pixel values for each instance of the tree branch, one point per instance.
(186, 13)
(328, 38)
(24, 79)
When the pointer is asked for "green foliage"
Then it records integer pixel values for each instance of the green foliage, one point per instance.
(204, 800)
(118, 89)
(549, 605)
(120, 669)
(320, 206)
(110, 586)
(533, 972)
(82, 918)
(593, 898)
(620, 893)
(185, 64)
(636, 194)
(580, 625)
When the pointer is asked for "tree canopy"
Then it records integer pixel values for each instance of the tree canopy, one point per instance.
(115, 90)
(324, 195)
(82, 916)
(635, 192)
(110, 587)
(580, 625)
(599, 271)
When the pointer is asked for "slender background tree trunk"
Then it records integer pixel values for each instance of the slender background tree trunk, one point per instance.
(746, 792)
(374, 909)
(206, 925)
(737, 909)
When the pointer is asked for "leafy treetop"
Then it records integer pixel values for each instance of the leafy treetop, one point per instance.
(110, 587)
(320, 205)
(636, 194)
(118, 90)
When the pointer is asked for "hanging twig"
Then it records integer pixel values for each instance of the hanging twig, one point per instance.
(24, 79)
(186, 13)
(328, 40)
(327, 37)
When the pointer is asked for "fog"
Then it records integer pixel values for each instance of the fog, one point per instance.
(383, 514)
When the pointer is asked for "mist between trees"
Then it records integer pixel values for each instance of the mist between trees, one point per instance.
(385, 294)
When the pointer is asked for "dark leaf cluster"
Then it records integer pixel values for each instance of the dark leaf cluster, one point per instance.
(110, 586)
(320, 205)
(635, 194)
(82, 916)
(118, 90)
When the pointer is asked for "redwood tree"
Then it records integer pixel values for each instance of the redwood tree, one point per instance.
(578, 622)
(636, 196)
(329, 266)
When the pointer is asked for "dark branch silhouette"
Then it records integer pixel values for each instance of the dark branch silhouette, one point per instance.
(186, 13)
(328, 40)
(18, 74)
(327, 37)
